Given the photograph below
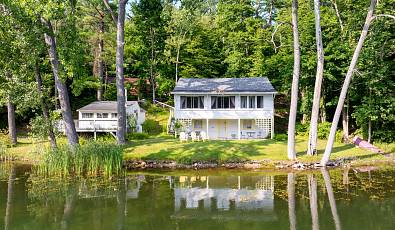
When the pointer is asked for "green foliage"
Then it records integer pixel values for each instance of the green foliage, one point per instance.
(93, 159)
(280, 137)
(323, 130)
(40, 127)
(137, 136)
(152, 127)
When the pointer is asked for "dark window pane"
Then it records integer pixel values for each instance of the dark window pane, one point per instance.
(201, 102)
(213, 102)
(195, 102)
(259, 101)
(226, 102)
(252, 102)
(232, 102)
(189, 102)
(243, 102)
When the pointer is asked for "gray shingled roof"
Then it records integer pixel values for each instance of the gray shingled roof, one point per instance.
(103, 106)
(212, 85)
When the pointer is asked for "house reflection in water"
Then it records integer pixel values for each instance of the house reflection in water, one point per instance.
(215, 193)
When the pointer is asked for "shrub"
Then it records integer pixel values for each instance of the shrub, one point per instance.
(323, 130)
(281, 137)
(151, 127)
(137, 136)
(302, 129)
(93, 158)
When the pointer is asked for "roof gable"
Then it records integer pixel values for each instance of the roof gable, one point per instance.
(104, 106)
(219, 85)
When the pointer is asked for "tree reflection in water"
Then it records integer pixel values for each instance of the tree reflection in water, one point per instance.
(199, 199)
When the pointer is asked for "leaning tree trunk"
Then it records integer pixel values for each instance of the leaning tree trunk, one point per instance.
(64, 100)
(331, 197)
(291, 201)
(152, 74)
(44, 106)
(346, 84)
(295, 83)
(100, 67)
(121, 130)
(312, 144)
(345, 123)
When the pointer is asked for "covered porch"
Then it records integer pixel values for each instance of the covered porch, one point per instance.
(230, 129)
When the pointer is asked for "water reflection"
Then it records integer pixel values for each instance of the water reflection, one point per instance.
(201, 200)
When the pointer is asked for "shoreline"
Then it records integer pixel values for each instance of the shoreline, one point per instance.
(131, 165)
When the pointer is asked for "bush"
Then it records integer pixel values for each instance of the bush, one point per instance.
(94, 158)
(302, 129)
(280, 137)
(137, 136)
(323, 130)
(151, 127)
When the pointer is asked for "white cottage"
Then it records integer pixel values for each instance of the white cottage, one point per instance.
(226, 108)
(101, 116)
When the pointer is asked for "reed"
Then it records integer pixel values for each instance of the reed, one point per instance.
(91, 159)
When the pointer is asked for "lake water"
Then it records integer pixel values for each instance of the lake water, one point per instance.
(356, 198)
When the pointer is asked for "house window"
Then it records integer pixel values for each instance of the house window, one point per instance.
(192, 102)
(259, 102)
(114, 115)
(243, 102)
(247, 124)
(222, 102)
(197, 124)
(251, 101)
(87, 115)
(102, 115)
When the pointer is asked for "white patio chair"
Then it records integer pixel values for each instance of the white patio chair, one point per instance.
(194, 136)
(183, 136)
(203, 135)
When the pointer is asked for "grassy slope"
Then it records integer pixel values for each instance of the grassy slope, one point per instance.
(230, 150)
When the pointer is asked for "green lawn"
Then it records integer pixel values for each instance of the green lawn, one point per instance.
(168, 148)
(233, 150)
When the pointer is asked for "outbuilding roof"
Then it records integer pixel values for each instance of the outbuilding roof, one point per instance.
(219, 85)
(110, 106)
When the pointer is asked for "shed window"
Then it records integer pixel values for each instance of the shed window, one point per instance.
(222, 102)
(102, 115)
(114, 115)
(259, 102)
(192, 102)
(87, 115)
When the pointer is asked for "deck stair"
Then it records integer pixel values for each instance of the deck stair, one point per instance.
(171, 121)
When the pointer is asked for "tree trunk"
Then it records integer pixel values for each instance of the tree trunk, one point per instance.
(305, 117)
(177, 58)
(44, 106)
(121, 100)
(152, 75)
(322, 109)
(10, 199)
(369, 130)
(338, 15)
(346, 84)
(100, 67)
(312, 145)
(11, 121)
(11, 115)
(64, 100)
(295, 83)
(312, 183)
(291, 201)
(345, 122)
(331, 197)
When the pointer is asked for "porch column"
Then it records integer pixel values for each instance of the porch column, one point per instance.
(238, 129)
(208, 137)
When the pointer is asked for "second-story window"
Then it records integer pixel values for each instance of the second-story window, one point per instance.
(192, 102)
(259, 102)
(102, 115)
(222, 102)
(87, 115)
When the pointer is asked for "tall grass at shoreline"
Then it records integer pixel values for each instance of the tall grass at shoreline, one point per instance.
(90, 159)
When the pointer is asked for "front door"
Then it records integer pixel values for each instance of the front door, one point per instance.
(222, 126)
